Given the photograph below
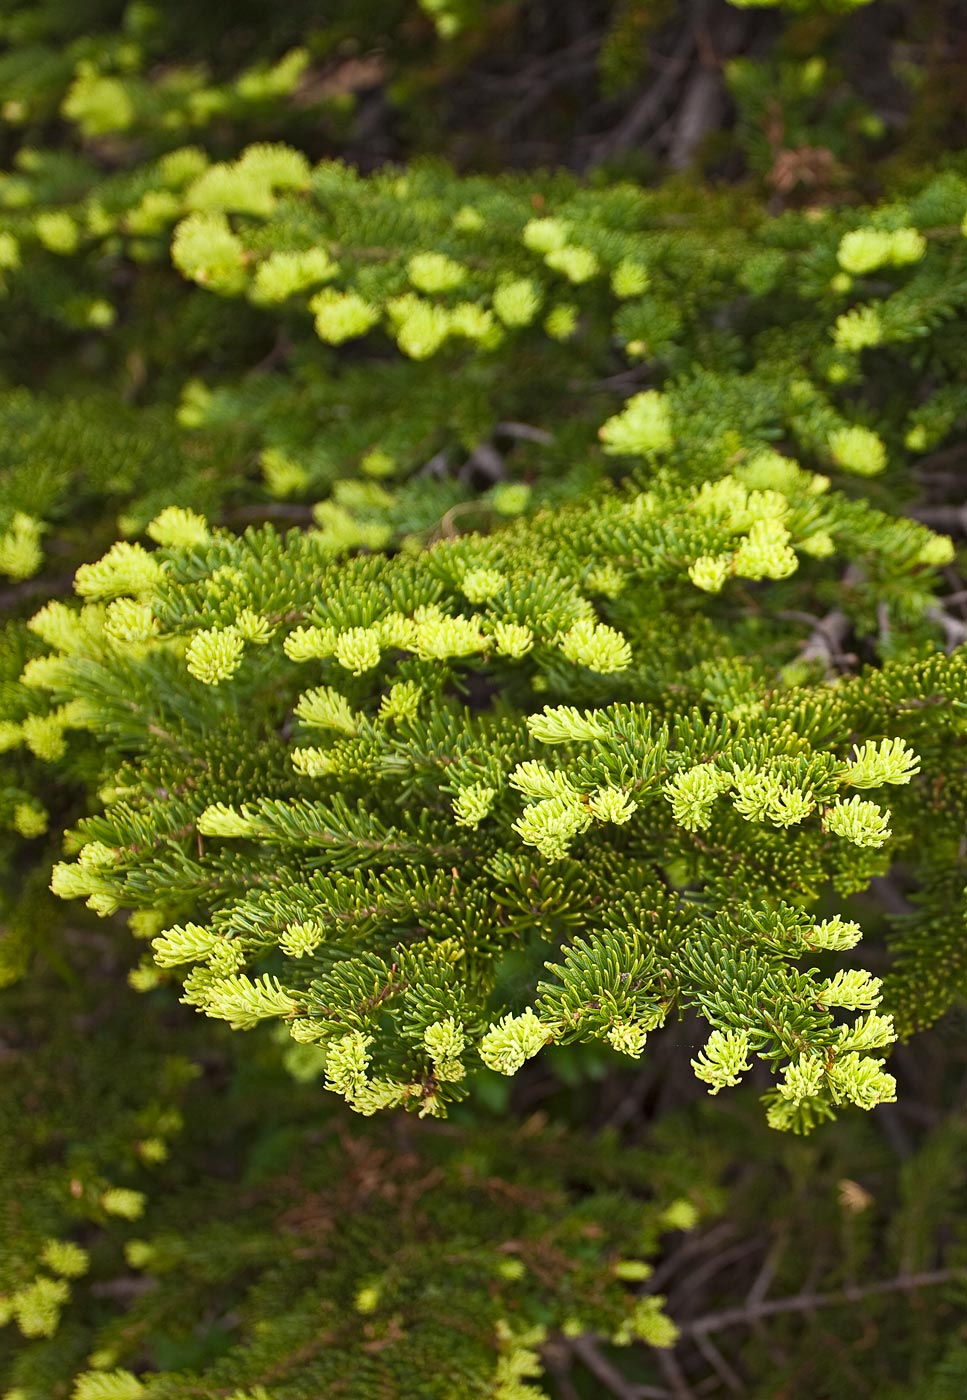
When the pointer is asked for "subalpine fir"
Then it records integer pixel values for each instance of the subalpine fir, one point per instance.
(349, 791)
(615, 332)
(171, 1211)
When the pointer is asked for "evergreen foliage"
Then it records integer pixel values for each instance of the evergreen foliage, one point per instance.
(644, 285)
(397, 830)
(750, 329)
(437, 1251)
(514, 670)
(373, 1234)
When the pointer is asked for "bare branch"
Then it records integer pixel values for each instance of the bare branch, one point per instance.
(524, 431)
(718, 1363)
(673, 1373)
(749, 1313)
(585, 1348)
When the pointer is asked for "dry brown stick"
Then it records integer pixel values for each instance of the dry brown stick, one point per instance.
(699, 1275)
(954, 628)
(703, 103)
(649, 105)
(524, 431)
(585, 1348)
(673, 1373)
(767, 1269)
(557, 1362)
(809, 1302)
(730, 1378)
(690, 1246)
(827, 638)
(700, 111)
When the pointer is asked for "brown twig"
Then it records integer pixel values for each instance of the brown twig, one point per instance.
(485, 461)
(524, 432)
(718, 1363)
(699, 113)
(557, 1357)
(585, 1348)
(636, 121)
(698, 1276)
(691, 1245)
(954, 628)
(673, 1373)
(280, 351)
(747, 1313)
(445, 529)
(762, 1280)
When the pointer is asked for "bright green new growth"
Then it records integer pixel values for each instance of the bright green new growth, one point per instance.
(424, 820)
(379, 291)
(484, 1208)
(357, 857)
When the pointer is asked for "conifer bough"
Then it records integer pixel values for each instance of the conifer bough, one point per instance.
(726, 330)
(440, 810)
(489, 1243)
